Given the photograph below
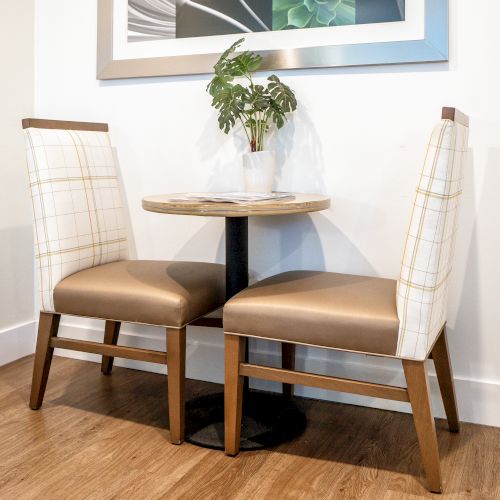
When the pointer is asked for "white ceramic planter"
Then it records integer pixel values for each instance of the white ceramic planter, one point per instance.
(258, 171)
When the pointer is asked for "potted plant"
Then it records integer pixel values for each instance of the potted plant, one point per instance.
(256, 107)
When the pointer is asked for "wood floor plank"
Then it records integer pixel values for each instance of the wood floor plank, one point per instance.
(102, 438)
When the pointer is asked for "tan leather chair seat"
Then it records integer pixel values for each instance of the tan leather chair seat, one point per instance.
(341, 311)
(142, 291)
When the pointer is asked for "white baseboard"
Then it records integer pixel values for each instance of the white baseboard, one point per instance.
(17, 341)
(479, 400)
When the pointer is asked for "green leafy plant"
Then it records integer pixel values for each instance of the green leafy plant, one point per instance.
(255, 106)
(290, 14)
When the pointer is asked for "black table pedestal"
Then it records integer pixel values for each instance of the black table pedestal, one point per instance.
(236, 255)
(268, 419)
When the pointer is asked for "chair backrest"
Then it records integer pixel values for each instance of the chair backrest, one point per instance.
(77, 208)
(428, 254)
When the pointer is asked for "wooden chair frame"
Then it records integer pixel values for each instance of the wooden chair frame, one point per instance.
(174, 357)
(417, 393)
(48, 340)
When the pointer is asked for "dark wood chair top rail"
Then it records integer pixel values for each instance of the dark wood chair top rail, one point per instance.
(455, 115)
(64, 125)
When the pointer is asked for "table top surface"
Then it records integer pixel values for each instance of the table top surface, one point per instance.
(302, 203)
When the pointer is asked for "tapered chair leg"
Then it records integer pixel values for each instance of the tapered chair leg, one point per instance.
(233, 392)
(419, 394)
(176, 364)
(288, 363)
(111, 332)
(47, 328)
(442, 363)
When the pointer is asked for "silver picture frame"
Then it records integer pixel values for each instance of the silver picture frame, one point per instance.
(432, 48)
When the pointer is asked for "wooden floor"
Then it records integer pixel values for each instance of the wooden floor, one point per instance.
(100, 437)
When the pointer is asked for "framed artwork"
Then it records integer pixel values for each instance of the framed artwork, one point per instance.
(140, 38)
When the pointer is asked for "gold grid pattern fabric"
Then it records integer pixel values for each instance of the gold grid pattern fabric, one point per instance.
(77, 208)
(428, 254)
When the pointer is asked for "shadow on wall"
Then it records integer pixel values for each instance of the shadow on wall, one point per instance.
(432, 67)
(300, 168)
(16, 275)
(473, 357)
(190, 248)
(297, 146)
(281, 243)
(225, 169)
(284, 243)
(132, 248)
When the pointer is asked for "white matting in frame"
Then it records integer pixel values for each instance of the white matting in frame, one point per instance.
(421, 37)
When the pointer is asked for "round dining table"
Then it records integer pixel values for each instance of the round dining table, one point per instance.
(268, 419)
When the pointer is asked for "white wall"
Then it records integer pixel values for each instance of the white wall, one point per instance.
(359, 135)
(16, 241)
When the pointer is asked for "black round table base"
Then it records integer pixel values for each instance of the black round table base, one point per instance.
(268, 420)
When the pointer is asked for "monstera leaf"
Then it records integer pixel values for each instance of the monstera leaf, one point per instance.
(245, 64)
(281, 100)
(222, 64)
(282, 94)
(230, 102)
(224, 73)
(289, 14)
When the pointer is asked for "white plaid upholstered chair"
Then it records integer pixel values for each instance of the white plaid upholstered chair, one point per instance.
(402, 319)
(81, 252)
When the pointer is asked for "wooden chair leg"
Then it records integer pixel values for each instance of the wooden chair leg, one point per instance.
(233, 392)
(419, 394)
(288, 363)
(47, 328)
(176, 363)
(111, 332)
(442, 363)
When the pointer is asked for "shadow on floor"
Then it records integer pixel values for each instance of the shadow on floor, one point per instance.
(335, 432)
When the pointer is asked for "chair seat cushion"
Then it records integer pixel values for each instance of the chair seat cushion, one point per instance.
(143, 291)
(340, 311)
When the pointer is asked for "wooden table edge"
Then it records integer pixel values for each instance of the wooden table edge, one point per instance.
(235, 210)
